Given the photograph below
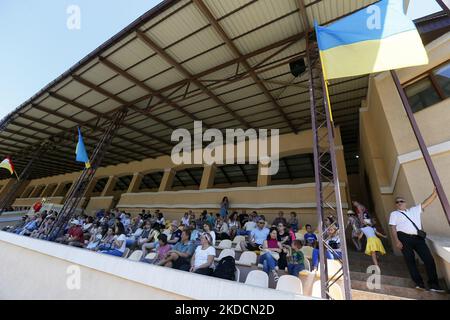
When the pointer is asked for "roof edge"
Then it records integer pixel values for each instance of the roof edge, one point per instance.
(153, 12)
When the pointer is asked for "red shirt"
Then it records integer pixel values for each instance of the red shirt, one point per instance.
(76, 233)
(37, 207)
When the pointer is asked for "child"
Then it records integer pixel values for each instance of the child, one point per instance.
(374, 244)
(296, 261)
(162, 250)
(293, 222)
(310, 237)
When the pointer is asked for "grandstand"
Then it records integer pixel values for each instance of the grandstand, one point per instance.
(225, 63)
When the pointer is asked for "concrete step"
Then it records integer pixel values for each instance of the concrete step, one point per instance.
(366, 295)
(385, 279)
(404, 292)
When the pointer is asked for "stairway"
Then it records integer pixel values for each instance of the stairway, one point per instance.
(396, 283)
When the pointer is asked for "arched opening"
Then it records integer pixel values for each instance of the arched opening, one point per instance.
(188, 179)
(236, 175)
(151, 182)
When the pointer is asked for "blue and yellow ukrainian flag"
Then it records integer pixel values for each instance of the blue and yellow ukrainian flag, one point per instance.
(81, 151)
(378, 38)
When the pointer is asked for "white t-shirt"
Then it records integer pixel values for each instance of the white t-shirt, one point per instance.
(213, 236)
(250, 225)
(403, 224)
(201, 256)
(122, 238)
(369, 232)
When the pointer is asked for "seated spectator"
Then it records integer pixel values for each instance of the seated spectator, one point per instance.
(88, 224)
(310, 237)
(76, 235)
(271, 253)
(284, 238)
(243, 217)
(126, 220)
(293, 222)
(202, 261)
(134, 237)
(296, 260)
(334, 242)
(119, 242)
(185, 219)
(247, 228)
(207, 229)
(107, 239)
(195, 233)
(151, 241)
(257, 237)
(175, 235)
(96, 238)
(221, 229)
(279, 219)
(179, 256)
(233, 225)
(30, 226)
(160, 220)
(162, 250)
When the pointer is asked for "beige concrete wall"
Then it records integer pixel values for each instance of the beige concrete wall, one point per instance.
(37, 269)
(390, 152)
(268, 200)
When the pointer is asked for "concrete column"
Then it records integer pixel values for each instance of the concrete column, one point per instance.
(47, 191)
(9, 183)
(167, 180)
(263, 180)
(35, 192)
(59, 189)
(109, 188)
(90, 187)
(135, 183)
(209, 173)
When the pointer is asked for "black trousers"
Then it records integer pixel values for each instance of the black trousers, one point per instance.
(413, 244)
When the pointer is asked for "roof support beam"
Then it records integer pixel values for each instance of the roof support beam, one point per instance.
(93, 128)
(163, 54)
(209, 16)
(150, 90)
(122, 102)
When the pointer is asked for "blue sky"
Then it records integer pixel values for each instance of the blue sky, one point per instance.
(37, 46)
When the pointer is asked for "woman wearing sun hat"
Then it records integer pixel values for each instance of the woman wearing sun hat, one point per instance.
(356, 229)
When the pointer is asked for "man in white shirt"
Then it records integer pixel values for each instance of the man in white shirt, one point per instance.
(405, 237)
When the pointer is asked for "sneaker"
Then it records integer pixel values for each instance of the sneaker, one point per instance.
(437, 289)
(276, 277)
(420, 287)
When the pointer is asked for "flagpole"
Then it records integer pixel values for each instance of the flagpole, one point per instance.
(18, 179)
(423, 147)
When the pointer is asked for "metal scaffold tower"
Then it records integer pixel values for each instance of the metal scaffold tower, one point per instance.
(328, 195)
(9, 197)
(78, 190)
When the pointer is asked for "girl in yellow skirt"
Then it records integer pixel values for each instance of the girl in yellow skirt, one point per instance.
(374, 244)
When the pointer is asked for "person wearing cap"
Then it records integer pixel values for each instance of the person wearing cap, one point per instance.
(202, 261)
(408, 236)
(257, 237)
(175, 236)
(354, 222)
(75, 235)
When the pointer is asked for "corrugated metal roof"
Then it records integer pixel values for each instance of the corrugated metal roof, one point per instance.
(178, 68)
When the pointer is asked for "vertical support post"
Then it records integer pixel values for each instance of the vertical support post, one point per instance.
(8, 199)
(423, 147)
(79, 188)
(337, 193)
(209, 173)
(317, 179)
